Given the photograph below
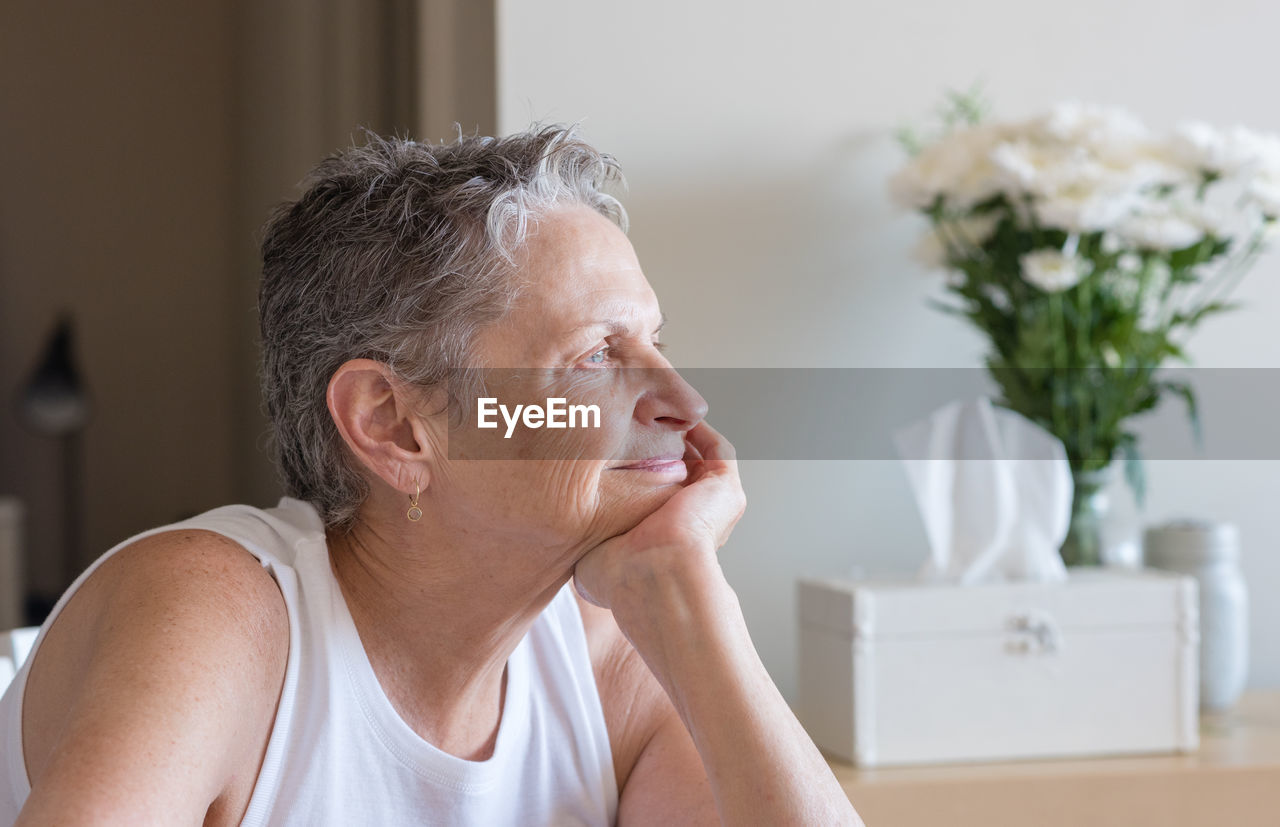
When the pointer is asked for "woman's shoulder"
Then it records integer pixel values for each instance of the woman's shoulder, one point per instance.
(188, 587)
(185, 622)
(224, 560)
(177, 565)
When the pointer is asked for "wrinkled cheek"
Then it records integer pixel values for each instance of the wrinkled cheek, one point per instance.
(564, 444)
(573, 487)
(591, 503)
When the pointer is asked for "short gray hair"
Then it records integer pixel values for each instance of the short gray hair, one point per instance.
(399, 251)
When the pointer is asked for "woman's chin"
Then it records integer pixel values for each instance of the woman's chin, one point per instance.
(622, 508)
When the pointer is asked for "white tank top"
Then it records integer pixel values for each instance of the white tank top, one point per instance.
(340, 754)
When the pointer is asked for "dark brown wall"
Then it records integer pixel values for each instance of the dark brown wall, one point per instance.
(142, 144)
(116, 205)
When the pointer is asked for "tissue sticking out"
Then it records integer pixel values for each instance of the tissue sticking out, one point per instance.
(994, 490)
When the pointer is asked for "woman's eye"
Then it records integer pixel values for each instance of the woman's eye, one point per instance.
(612, 353)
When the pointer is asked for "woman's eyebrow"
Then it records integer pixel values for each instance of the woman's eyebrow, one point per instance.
(615, 326)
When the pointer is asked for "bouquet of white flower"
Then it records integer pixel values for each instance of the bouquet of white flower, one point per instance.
(1087, 247)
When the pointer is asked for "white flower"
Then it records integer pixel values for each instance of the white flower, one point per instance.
(1081, 210)
(1023, 166)
(1116, 144)
(1265, 195)
(1121, 284)
(1041, 168)
(956, 167)
(1211, 219)
(1267, 149)
(1129, 263)
(1237, 151)
(1159, 226)
(1053, 270)
(1084, 168)
(1202, 147)
(1092, 125)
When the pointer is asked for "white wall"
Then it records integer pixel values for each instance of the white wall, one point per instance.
(757, 141)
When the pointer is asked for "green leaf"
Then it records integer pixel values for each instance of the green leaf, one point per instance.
(1192, 255)
(1193, 319)
(943, 307)
(1188, 395)
(967, 107)
(1167, 348)
(909, 140)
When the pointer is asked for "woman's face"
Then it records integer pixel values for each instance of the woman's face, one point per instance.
(585, 330)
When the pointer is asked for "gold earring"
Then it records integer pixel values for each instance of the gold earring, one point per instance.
(414, 514)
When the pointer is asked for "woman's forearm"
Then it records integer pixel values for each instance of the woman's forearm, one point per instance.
(762, 765)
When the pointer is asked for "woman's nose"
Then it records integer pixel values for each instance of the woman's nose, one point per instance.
(670, 401)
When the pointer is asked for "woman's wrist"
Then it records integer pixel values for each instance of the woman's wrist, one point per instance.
(678, 616)
(672, 587)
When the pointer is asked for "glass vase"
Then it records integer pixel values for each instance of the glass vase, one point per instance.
(1087, 537)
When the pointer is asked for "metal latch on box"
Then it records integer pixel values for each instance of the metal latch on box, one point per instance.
(1037, 634)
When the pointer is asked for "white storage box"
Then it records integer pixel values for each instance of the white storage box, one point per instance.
(916, 673)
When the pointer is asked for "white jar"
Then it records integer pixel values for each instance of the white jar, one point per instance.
(1210, 552)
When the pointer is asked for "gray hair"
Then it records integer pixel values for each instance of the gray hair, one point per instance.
(399, 251)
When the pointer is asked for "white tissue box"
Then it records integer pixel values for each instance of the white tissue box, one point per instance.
(917, 673)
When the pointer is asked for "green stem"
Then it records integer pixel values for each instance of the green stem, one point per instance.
(1235, 270)
(1083, 328)
(1059, 343)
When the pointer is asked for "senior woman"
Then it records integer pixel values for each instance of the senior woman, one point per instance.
(442, 623)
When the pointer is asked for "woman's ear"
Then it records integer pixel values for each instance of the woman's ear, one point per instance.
(376, 419)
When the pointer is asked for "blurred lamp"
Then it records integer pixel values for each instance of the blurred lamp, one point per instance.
(55, 403)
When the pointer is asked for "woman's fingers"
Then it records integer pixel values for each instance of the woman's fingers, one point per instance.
(710, 444)
(716, 456)
(691, 454)
(720, 501)
(721, 460)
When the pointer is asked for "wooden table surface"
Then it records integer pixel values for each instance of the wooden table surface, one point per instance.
(1233, 780)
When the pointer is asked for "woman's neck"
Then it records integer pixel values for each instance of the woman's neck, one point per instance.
(438, 619)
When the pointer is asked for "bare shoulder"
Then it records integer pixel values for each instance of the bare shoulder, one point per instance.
(635, 704)
(156, 687)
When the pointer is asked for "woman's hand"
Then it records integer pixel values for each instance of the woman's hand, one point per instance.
(680, 539)
(672, 603)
